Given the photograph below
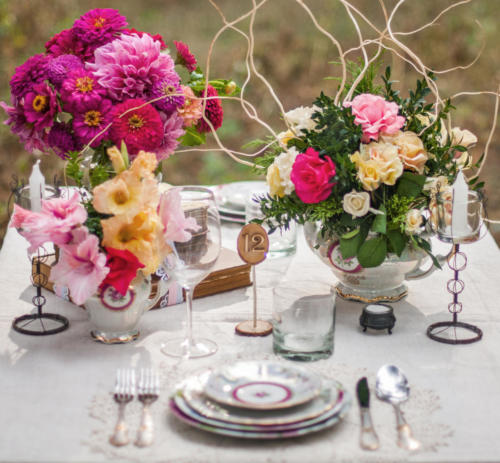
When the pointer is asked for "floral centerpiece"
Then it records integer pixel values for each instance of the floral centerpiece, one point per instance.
(365, 169)
(101, 83)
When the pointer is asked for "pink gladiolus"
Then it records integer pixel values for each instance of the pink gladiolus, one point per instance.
(81, 267)
(68, 211)
(175, 223)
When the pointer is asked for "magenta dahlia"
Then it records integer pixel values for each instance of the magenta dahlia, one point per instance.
(79, 90)
(172, 131)
(99, 26)
(140, 129)
(184, 56)
(213, 111)
(41, 106)
(171, 94)
(92, 122)
(156, 37)
(66, 43)
(129, 67)
(32, 72)
(59, 68)
(61, 140)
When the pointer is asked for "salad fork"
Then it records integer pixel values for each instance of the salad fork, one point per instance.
(124, 393)
(149, 390)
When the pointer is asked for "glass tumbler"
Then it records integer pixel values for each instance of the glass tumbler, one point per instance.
(303, 320)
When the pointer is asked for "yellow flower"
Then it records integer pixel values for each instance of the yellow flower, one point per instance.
(117, 160)
(274, 181)
(285, 137)
(410, 149)
(140, 236)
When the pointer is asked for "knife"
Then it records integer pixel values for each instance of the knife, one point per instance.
(368, 439)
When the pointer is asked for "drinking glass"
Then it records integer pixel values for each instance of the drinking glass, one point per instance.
(191, 261)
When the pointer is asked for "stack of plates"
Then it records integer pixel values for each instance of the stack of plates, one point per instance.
(260, 400)
(231, 199)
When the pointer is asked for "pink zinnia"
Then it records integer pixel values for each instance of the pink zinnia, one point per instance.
(172, 131)
(92, 121)
(66, 43)
(80, 90)
(32, 72)
(59, 68)
(81, 267)
(41, 106)
(375, 115)
(140, 129)
(129, 67)
(184, 56)
(99, 26)
(213, 111)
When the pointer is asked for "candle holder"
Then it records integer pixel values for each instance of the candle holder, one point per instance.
(469, 231)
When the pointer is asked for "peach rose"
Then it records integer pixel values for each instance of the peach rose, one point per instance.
(410, 149)
(413, 222)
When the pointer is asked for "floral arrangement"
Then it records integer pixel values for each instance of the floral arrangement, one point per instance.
(127, 231)
(366, 168)
(101, 84)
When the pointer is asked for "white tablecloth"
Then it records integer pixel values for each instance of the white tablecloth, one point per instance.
(55, 402)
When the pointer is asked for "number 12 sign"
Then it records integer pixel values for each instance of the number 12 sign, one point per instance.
(253, 243)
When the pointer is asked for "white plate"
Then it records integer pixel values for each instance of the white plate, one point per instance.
(232, 197)
(262, 385)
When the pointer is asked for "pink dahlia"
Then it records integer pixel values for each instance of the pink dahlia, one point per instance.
(375, 115)
(79, 90)
(91, 122)
(184, 56)
(61, 140)
(99, 26)
(66, 43)
(140, 129)
(59, 68)
(41, 106)
(129, 67)
(191, 110)
(170, 93)
(213, 111)
(32, 72)
(172, 131)
(156, 37)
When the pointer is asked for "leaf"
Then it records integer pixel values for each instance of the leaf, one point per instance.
(351, 234)
(380, 223)
(349, 247)
(192, 137)
(410, 184)
(397, 241)
(372, 252)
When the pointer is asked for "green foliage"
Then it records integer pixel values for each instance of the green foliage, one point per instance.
(73, 169)
(367, 83)
(192, 137)
(379, 224)
(410, 184)
(93, 222)
(372, 252)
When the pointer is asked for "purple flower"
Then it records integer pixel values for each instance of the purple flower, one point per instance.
(129, 67)
(172, 131)
(41, 106)
(33, 139)
(66, 43)
(61, 140)
(172, 93)
(59, 68)
(99, 26)
(93, 119)
(79, 90)
(33, 71)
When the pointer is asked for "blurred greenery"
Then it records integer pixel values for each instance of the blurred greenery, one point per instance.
(291, 54)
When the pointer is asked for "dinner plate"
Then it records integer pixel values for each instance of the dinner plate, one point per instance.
(262, 385)
(182, 405)
(296, 432)
(231, 197)
(332, 395)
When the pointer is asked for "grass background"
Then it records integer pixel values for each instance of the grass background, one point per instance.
(289, 52)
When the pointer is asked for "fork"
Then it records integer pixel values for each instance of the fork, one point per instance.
(149, 390)
(124, 393)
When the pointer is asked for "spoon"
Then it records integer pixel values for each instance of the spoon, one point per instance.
(392, 387)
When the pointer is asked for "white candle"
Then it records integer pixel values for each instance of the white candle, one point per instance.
(459, 223)
(37, 187)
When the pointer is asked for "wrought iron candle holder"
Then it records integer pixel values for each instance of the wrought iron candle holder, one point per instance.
(455, 331)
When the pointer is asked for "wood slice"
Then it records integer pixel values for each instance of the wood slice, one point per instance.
(262, 328)
(253, 243)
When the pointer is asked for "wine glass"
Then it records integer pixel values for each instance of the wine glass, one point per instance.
(191, 261)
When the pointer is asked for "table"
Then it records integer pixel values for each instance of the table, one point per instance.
(55, 397)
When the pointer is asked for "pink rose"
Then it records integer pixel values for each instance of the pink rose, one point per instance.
(375, 115)
(312, 176)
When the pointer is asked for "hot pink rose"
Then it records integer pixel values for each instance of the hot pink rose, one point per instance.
(375, 115)
(312, 176)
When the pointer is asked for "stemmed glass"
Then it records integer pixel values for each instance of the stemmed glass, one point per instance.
(190, 261)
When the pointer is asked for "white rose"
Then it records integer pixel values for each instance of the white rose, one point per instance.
(413, 221)
(301, 118)
(284, 162)
(356, 203)
(462, 137)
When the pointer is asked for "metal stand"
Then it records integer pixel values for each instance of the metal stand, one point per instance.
(457, 261)
(39, 323)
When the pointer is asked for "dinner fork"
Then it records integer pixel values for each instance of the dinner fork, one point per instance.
(124, 393)
(149, 390)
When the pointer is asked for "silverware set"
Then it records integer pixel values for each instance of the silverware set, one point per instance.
(148, 390)
(391, 387)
